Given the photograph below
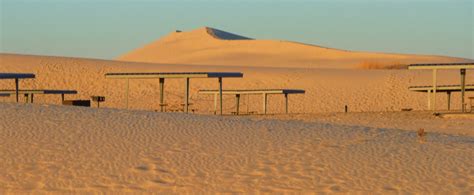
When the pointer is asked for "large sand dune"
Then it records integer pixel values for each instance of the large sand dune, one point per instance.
(61, 149)
(208, 46)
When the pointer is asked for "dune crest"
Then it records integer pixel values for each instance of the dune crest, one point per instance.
(210, 46)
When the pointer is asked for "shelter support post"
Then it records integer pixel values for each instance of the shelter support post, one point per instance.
(463, 89)
(32, 97)
(62, 97)
(186, 97)
(286, 103)
(162, 94)
(220, 94)
(434, 89)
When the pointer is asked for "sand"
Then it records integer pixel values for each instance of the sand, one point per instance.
(47, 148)
(453, 123)
(209, 46)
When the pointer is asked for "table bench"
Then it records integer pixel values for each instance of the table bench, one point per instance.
(29, 93)
(448, 89)
(263, 92)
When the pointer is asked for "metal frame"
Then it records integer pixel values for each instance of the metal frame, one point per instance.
(174, 75)
(448, 89)
(445, 66)
(17, 77)
(264, 92)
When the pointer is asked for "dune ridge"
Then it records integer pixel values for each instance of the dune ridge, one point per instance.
(209, 46)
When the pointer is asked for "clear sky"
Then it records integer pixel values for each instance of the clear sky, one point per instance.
(108, 28)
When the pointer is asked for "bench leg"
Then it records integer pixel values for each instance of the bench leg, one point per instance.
(220, 94)
(449, 100)
(16, 89)
(264, 103)
(126, 93)
(162, 94)
(434, 90)
(429, 99)
(215, 103)
(186, 98)
(463, 89)
(237, 103)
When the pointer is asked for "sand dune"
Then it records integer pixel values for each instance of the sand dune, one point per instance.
(61, 149)
(208, 46)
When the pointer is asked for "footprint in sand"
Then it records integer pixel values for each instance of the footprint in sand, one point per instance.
(157, 171)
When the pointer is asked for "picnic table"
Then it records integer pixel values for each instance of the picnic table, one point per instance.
(174, 75)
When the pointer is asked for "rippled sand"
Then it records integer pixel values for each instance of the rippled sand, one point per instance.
(48, 148)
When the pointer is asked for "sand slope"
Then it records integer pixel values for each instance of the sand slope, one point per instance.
(327, 90)
(208, 46)
(66, 149)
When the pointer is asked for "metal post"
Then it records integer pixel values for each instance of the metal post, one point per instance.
(449, 100)
(162, 94)
(264, 103)
(220, 93)
(62, 97)
(463, 88)
(127, 88)
(186, 98)
(434, 89)
(286, 103)
(32, 97)
(237, 103)
(16, 89)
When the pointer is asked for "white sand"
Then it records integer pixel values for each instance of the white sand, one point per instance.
(67, 149)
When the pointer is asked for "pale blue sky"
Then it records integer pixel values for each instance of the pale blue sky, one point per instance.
(108, 28)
